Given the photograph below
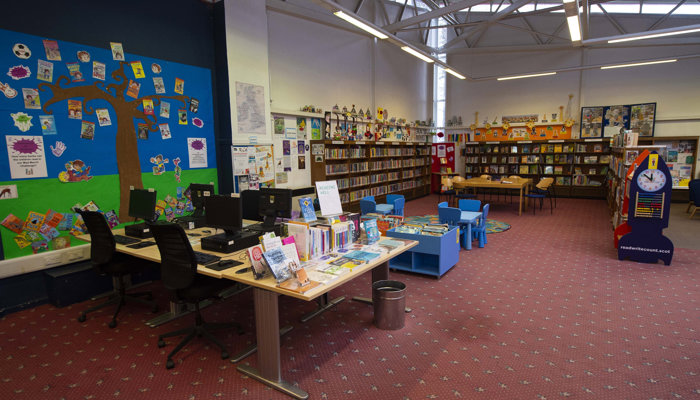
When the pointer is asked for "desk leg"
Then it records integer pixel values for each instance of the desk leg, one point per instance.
(379, 273)
(323, 305)
(469, 236)
(520, 205)
(267, 326)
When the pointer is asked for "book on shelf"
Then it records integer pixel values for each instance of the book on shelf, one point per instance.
(557, 148)
(558, 169)
(548, 170)
(597, 148)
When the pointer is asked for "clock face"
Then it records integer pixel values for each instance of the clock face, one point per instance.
(651, 180)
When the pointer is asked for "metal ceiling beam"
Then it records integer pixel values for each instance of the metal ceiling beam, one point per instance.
(519, 28)
(359, 6)
(612, 20)
(432, 14)
(556, 31)
(631, 35)
(383, 9)
(665, 17)
(584, 18)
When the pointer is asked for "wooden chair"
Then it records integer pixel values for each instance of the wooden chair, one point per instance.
(460, 189)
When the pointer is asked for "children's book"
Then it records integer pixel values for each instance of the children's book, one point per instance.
(278, 263)
(362, 255)
(307, 209)
(371, 230)
(257, 261)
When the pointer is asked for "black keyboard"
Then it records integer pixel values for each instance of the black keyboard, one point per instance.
(121, 239)
(141, 245)
(204, 258)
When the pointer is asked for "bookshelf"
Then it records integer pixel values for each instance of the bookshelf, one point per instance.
(579, 166)
(369, 168)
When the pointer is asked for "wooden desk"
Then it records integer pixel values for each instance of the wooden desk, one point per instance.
(523, 185)
(266, 303)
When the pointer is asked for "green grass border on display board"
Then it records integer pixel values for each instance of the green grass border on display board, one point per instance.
(39, 195)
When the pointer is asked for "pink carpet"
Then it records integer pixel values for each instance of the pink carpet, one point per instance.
(544, 311)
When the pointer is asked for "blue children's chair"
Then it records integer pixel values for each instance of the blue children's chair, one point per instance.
(469, 205)
(449, 215)
(396, 200)
(479, 231)
(368, 205)
(442, 205)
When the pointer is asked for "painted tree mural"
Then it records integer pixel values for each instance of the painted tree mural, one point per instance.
(126, 110)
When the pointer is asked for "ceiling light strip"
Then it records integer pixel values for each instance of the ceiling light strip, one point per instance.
(356, 22)
(455, 73)
(638, 64)
(505, 78)
(415, 53)
(652, 36)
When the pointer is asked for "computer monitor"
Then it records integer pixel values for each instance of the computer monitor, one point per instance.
(224, 212)
(198, 192)
(142, 204)
(275, 203)
(250, 201)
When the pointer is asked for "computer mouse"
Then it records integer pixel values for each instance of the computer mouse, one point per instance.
(224, 263)
(206, 231)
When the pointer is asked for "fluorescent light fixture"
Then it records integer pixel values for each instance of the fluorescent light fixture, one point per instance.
(638, 64)
(655, 35)
(409, 50)
(526, 76)
(568, 1)
(574, 28)
(453, 73)
(360, 24)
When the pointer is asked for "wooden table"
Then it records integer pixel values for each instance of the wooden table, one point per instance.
(266, 303)
(523, 185)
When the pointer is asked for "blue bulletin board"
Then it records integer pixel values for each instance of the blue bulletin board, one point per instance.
(50, 160)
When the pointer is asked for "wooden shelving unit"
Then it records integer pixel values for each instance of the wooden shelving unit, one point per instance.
(579, 166)
(369, 168)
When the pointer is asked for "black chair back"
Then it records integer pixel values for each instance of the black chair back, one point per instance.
(178, 265)
(102, 244)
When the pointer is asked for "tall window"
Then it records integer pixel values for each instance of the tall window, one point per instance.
(437, 39)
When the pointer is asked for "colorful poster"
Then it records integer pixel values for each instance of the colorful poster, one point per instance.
(52, 51)
(133, 90)
(197, 152)
(26, 156)
(302, 162)
(158, 84)
(148, 106)
(142, 131)
(164, 109)
(138, 69)
(117, 51)
(182, 116)
(75, 109)
(31, 99)
(300, 147)
(87, 130)
(74, 71)
(48, 124)
(44, 71)
(179, 86)
(315, 129)
(165, 131)
(301, 128)
(103, 117)
(98, 70)
(278, 123)
(286, 148)
(194, 105)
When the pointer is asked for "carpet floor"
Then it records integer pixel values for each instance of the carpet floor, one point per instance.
(544, 311)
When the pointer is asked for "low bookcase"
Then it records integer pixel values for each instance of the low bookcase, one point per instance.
(434, 255)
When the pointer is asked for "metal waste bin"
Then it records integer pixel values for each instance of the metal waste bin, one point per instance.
(389, 301)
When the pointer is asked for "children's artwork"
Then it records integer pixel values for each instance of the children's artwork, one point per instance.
(44, 71)
(138, 69)
(75, 109)
(156, 69)
(13, 223)
(34, 222)
(18, 72)
(164, 131)
(182, 116)
(591, 122)
(158, 84)
(83, 56)
(642, 118)
(48, 124)
(87, 130)
(148, 106)
(301, 127)
(133, 89)
(159, 164)
(617, 116)
(31, 99)
(61, 242)
(164, 109)
(194, 105)
(52, 51)
(178, 173)
(23, 121)
(103, 117)
(98, 70)
(142, 131)
(21, 51)
(315, 129)
(58, 150)
(197, 152)
(117, 51)
(8, 192)
(278, 124)
(26, 156)
(179, 86)
(196, 121)
(74, 71)
(9, 92)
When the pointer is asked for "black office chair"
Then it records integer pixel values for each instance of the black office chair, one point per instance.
(107, 261)
(179, 275)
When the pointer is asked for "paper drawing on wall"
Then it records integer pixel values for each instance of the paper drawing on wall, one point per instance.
(8, 192)
(31, 99)
(19, 72)
(23, 121)
(74, 71)
(87, 130)
(48, 125)
(117, 51)
(99, 70)
(21, 51)
(159, 164)
(196, 121)
(156, 68)
(7, 90)
(178, 168)
(83, 56)
(58, 149)
(125, 110)
(44, 71)
(76, 171)
(52, 51)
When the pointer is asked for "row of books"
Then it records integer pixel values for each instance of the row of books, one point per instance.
(423, 229)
